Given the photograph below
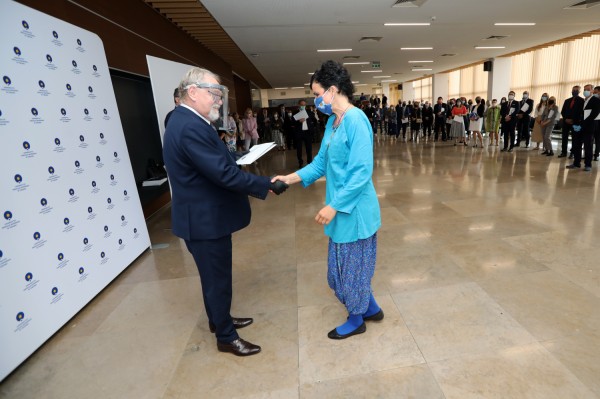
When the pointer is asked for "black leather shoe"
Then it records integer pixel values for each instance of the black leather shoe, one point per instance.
(238, 322)
(562, 155)
(333, 334)
(375, 317)
(571, 156)
(239, 347)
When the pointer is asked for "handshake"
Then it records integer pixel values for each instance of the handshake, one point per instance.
(278, 186)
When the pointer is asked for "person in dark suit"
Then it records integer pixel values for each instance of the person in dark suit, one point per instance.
(597, 131)
(427, 113)
(176, 101)
(571, 112)
(523, 119)
(584, 133)
(304, 129)
(508, 114)
(209, 199)
(440, 110)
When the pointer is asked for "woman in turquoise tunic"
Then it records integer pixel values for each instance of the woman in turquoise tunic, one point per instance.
(351, 215)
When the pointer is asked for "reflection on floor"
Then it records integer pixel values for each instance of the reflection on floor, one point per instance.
(487, 271)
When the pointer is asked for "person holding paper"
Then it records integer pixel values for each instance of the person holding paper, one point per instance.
(523, 118)
(440, 110)
(457, 129)
(508, 113)
(584, 132)
(548, 120)
(210, 199)
(304, 126)
(351, 215)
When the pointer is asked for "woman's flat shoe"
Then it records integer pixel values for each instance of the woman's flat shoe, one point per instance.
(375, 317)
(333, 334)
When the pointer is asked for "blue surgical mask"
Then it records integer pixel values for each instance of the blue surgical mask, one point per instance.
(302, 107)
(321, 106)
(586, 93)
(544, 98)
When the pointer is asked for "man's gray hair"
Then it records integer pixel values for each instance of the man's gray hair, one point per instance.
(195, 75)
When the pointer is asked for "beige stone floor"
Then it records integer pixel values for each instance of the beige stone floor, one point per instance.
(487, 271)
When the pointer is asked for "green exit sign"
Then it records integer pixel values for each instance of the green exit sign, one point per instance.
(375, 64)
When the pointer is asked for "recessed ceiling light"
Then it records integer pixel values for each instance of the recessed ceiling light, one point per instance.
(515, 24)
(281, 88)
(298, 87)
(407, 24)
(311, 73)
(333, 49)
(357, 63)
(355, 82)
(375, 71)
(416, 48)
(422, 69)
(362, 84)
(388, 81)
(306, 84)
(380, 77)
(418, 62)
(489, 47)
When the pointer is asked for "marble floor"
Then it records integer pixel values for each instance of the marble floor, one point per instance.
(487, 271)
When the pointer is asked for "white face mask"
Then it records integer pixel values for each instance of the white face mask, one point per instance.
(511, 97)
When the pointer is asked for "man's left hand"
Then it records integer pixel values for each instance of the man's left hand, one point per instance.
(325, 215)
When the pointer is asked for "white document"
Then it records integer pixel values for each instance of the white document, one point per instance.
(459, 118)
(301, 115)
(586, 113)
(525, 107)
(404, 120)
(550, 114)
(443, 110)
(255, 152)
(153, 183)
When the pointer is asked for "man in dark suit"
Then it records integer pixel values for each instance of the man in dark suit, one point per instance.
(584, 133)
(440, 110)
(508, 113)
(571, 112)
(176, 101)
(427, 113)
(304, 129)
(597, 131)
(209, 200)
(523, 119)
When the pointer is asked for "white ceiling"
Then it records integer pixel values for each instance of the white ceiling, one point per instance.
(287, 33)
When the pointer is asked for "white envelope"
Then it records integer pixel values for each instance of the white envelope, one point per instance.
(525, 107)
(586, 113)
(550, 114)
(443, 110)
(404, 120)
(459, 118)
(512, 110)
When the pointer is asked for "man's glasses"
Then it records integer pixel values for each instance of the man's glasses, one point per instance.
(216, 95)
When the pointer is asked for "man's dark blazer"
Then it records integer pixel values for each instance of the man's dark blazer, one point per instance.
(209, 191)
(575, 113)
(589, 123)
(530, 108)
(505, 111)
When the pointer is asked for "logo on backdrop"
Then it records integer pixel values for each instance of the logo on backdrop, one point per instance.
(95, 73)
(86, 244)
(3, 260)
(116, 158)
(18, 59)
(25, 31)
(69, 93)
(91, 93)
(8, 215)
(45, 208)
(21, 186)
(102, 139)
(106, 117)
(91, 214)
(8, 87)
(87, 116)
(62, 262)
(50, 64)
(64, 117)
(3, 121)
(56, 41)
(78, 169)
(10, 221)
(38, 240)
(36, 118)
(43, 92)
(53, 176)
(56, 296)
(20, 316)
(99, 164)
(31, 282)
(75, 69)
(79, 47)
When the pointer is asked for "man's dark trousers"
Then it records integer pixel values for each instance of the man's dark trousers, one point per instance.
(566, 130)
(214, 259)
(508, 132)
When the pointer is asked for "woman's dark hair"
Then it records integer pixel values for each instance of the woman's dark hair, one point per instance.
(333, 73)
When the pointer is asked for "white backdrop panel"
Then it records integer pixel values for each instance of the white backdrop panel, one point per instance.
(71, 215)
